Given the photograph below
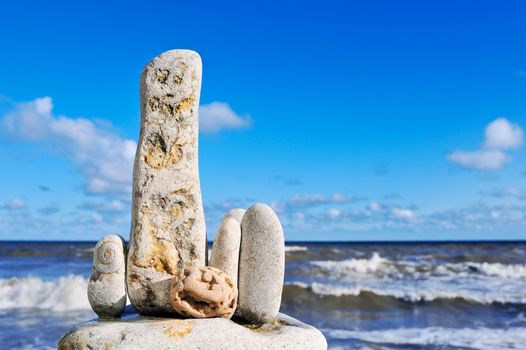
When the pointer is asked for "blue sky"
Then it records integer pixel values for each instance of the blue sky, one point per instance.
(378, 121)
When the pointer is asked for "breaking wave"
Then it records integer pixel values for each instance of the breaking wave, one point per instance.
(412, 295)
(377, 265)
(415, 281)
(472, 338)
(295, 248)
(60, 295)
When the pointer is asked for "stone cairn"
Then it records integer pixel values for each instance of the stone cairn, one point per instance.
(164, 271)
(182, 302)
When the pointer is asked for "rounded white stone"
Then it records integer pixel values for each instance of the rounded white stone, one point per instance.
(261, 264)
(236, 213)
(107, 283)
(225, 251)
(134, 332)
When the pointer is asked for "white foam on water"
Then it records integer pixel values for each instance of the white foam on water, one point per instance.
(295, 248)
(380, 267)
(472, 338)
(500, 270)
(411, 293)
(60, 295)
(361, 266)
(420, 281)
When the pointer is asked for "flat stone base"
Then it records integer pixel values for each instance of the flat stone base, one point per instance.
(142, 332)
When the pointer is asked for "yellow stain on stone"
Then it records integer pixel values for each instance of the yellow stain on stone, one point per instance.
(178, 79)
(156, 158)
(185, 104)
(178, 328)
(162, 75)
(162, 255)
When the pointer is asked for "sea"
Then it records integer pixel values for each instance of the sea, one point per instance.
(419, 295)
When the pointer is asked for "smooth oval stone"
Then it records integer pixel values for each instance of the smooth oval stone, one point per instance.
(236, 213)
(225, 251)
(107, 284)
(261, 264)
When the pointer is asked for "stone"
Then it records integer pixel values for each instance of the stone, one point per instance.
(261, 264)
(225, 251)
(236, 213)
(168, 232)
(133, 332)
(204, 292)
(107, 283)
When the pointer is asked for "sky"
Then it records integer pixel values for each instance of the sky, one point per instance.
(375, 120)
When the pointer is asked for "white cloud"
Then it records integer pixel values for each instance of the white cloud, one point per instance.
(501, 134)
(403, 214)
(14, 204)
(101, 155)
(96, 217)
(374, 207)
(310, 201)
(334, 213)
(112, 206)
(480, 160)
(217, 116)
(508, 192)
(105, 159)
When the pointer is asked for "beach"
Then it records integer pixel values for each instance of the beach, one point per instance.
(360, 295)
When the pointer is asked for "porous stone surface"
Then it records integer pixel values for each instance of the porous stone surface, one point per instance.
(140, 332)
(261, 264)
(225, 251)
(204, 292)
(107, 283)
(168, 228)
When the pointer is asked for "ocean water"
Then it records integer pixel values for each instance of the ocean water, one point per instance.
(361, 295)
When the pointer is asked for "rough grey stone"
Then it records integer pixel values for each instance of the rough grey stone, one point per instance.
(261, 264)
(225, 251)
(107, 284)
(140, 333)
(168, 228)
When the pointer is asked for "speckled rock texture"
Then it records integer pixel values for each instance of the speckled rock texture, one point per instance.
(168, 231)
(236, 213)
(261, 264)
(107, 284)
(140, 333)
(225, 251)
(204, 292)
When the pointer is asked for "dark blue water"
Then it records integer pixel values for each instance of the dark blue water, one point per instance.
(361, 295)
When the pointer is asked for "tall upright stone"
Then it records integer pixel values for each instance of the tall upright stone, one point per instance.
(168, 227)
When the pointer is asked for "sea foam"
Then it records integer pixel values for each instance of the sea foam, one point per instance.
(418, 281)
(410, 294)
(472, 338)
(295, 248)
(60, 295)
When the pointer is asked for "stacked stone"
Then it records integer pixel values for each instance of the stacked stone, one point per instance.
(107, 283)
(168, 228)
(225, 251)
(261, 264)
(166, 270)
